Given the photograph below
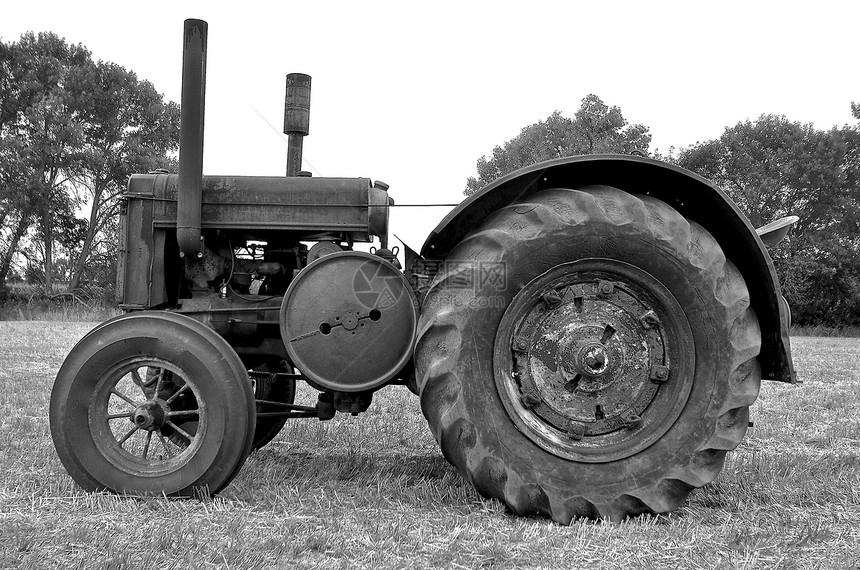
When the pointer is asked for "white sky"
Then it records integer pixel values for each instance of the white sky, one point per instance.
(413, 93)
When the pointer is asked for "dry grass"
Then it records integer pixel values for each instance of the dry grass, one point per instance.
(374, 492)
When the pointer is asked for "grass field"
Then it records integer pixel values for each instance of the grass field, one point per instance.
(373, 491)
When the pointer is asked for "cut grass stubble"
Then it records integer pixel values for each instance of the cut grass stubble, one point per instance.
(374, 491)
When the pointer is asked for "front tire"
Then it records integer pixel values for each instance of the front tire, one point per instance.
(152, 403)
(588, 353)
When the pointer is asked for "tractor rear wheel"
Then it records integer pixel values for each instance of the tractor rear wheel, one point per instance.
(588, 353)
(152, 403)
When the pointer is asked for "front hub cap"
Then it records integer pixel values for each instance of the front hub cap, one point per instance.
(601, 372)
(150, 415)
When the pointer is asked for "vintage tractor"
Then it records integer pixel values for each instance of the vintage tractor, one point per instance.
(586, 335)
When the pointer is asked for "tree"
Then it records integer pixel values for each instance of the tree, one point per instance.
(127, 128)
(71, 132)
(594, 128)
(774, 167)
(35, 111)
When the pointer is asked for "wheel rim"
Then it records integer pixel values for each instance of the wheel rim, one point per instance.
(147, 416)
(594, 360)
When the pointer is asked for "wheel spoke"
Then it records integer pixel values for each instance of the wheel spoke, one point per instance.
(183, 413)
(118, 416)
(128, 435)
(124, 397)
(179, 430)
(135, 376)
(164, 445)
(176, 394)
(160, 382)
(146, 444)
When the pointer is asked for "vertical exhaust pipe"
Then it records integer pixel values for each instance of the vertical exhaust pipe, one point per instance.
(190, 200)
(297, 111)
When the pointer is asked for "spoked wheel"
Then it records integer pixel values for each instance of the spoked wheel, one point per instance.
(269, 388)
(152, 403)
(599, 361)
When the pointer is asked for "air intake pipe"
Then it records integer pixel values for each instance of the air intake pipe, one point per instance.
(190, 197)
(297, 109)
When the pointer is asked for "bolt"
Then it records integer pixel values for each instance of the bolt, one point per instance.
(522, 344)
(633, 422)
(595, 360)
(659, 373)
(551, 299)
(605, 287)
(649, 319)
(576, 430)
(530, 398)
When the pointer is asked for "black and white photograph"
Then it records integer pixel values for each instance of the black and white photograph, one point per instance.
(395, 285)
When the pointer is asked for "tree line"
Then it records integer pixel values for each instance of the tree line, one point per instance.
(72, 130)
(771, 167)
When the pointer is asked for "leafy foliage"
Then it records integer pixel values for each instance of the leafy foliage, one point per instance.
(71, 132)
(773, 167)
(594, 128)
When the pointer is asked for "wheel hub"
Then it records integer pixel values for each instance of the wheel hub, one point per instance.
(150, 415)
(592, 360)
(583, 357)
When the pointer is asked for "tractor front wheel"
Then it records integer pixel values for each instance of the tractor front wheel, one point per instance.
(152, 403)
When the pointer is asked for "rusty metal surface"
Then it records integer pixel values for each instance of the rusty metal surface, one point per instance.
(594, 360)
(297, 105)
(350, 207)
(191, 136)
(694, 197)
(348, 321)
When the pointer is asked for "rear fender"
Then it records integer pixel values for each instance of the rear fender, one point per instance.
(694, 197)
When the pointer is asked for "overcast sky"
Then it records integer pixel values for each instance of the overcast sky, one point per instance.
(413, 93)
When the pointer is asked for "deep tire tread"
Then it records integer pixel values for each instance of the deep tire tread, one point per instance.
(441, 337)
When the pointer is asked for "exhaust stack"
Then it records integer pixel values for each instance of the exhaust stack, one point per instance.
(191, 139)
(297, 111)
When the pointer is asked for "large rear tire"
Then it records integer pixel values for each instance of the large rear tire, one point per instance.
(588, 353)
(152, 403)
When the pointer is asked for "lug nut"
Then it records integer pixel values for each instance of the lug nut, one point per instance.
(633, 422)
(659, 373)
(522, 344)
(530, 399)
(576, 430)
(551, 299)
(605, 287)
(649, 320)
